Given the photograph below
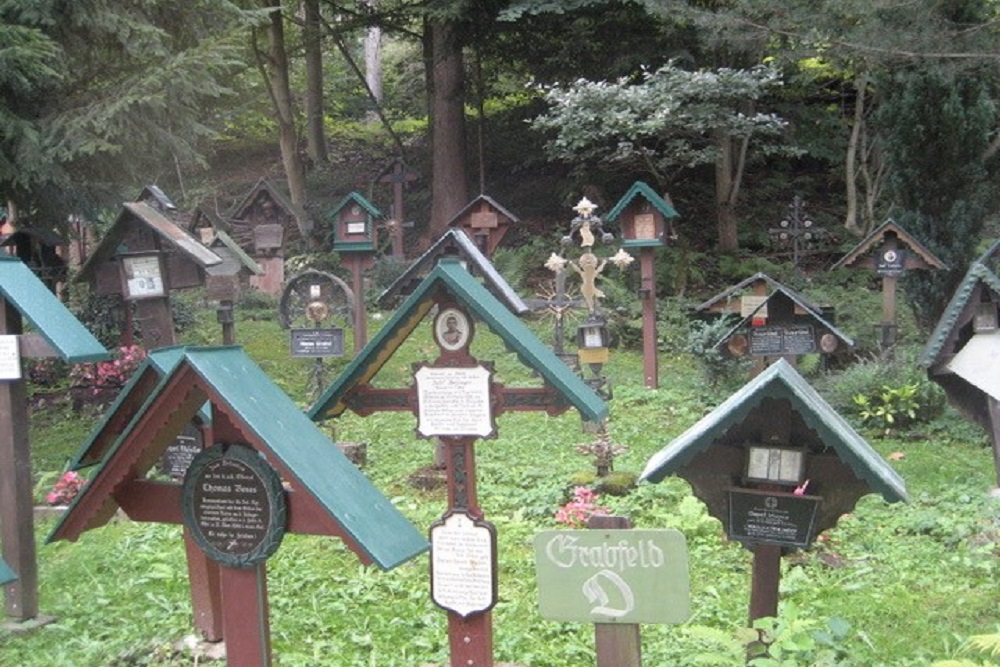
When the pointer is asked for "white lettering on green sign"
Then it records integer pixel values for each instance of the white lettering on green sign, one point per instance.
(564, 550)
(613, 576)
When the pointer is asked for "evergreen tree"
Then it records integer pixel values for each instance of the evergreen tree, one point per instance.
(98, 97)
(936, 125)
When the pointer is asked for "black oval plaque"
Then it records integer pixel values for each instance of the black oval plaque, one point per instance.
(234, 505)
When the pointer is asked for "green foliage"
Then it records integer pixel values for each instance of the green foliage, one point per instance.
(661, 124)
(937, 125)
(892, 407)
(793, 640)
(987, 645)
(720, 370)
(887, 393)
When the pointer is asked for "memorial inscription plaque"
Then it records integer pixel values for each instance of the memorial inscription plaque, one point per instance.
(454, 401)
(463, 552)
(317, 342)
(763, 517)
(775, 340)
(234, 505)
(180, 453)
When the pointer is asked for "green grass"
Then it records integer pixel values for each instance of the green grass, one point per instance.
(912, 580)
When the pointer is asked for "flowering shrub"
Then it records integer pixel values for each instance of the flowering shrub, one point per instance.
(109, 374)
(583, 506)
(65, 489)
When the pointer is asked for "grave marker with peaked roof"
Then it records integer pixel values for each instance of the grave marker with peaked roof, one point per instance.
(351, 388)
(453, 243)
(325, 493)
(963, 349)
(486, 222)
(777, 466)
(56, 333)
(863, 255)
(143, 257)
(890, 251)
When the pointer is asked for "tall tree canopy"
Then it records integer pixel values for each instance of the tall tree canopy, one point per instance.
(94, 89)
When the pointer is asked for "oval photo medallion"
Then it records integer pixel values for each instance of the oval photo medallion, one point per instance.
(234, 505)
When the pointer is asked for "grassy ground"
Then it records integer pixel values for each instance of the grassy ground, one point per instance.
(895, 585)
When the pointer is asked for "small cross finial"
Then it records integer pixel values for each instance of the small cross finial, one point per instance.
(585, 208)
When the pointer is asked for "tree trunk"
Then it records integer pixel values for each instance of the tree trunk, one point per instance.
(726, 188)
(315, 135)
(373, 58)
(851, 159)
(446, 91)
(281, 98)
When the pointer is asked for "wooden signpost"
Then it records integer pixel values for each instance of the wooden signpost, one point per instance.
(57, 333)
(616, 578)
(777, 466)
(457, 401)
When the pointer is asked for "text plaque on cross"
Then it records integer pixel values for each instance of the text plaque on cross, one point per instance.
(463, 576)
(454, 401)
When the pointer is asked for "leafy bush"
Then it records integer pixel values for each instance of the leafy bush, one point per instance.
(884, 393)
(719, 370)
(890, 407)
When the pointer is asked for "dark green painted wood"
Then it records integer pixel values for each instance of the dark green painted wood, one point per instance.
(239, 387)
(6, 574)
(449, 275)
(782, 381)
(640, 189)
(47, 315)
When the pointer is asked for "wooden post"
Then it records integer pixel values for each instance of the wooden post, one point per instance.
(615, 644)
(470, 638)
(994, 407)
(888, 338)
(17, 526)
(650, 363)
(206, 593)
(764, 582)
(245, 621)
(357, 264)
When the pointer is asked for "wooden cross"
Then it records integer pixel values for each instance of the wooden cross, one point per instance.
(458, 423)
(398, 177)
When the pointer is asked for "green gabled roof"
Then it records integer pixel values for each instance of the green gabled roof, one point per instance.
(244, 259)
(315, 462)
(454, 242)
(795, 299)
(240, 389)
(878, 234)
(641, 189)
(358, 199)
(451, 276)
(782, 381)
(47, 315)
(7, 575)
(102, 438)
(949, 320)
